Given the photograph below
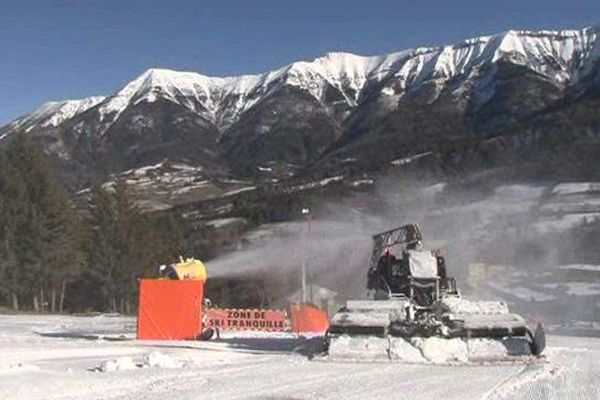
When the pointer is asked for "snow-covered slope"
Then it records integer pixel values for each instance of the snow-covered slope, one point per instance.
(223, 100)
(53, 113)
(560, 56)
(338, 102)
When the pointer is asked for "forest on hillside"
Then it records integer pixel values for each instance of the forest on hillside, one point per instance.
(60, 252)
(67, 252)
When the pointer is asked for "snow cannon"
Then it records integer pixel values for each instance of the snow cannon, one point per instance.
(189, 268)
(415, 313)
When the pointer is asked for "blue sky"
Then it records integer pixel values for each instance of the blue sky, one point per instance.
(54, 50)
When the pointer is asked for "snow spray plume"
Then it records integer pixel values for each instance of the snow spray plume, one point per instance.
(330, 249)
(337, 247)
(466, 222)
(488, 233)
(475, 225)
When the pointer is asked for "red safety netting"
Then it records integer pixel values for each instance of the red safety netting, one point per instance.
(170, 309)
(308, 318)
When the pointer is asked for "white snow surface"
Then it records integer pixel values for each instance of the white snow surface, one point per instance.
(456, 305)
(523, 293)
(576, 187)
(408, 160)
(576, 288)
(262, 366)
(564, 222)
(224, 222)
(580, 267)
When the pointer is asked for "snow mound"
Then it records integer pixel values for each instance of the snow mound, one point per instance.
(431, 350)
(359, 348)
(118, 364)
(402, 350)
(417, 350)
(161, 360)
(154, 359)
(441, 351)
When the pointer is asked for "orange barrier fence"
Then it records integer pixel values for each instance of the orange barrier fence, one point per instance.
(256, 320)
(170, 309)
(307, 318)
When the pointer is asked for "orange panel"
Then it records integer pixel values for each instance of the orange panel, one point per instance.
(170, 309)
(308, 318)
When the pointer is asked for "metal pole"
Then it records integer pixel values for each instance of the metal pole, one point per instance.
(304, 294)
(306, 213)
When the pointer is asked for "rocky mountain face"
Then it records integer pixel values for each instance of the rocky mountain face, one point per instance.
(511, 99)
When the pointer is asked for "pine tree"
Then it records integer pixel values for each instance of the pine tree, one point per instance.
(133, 249)
(40, 247)
(46, 242)
(126, 244)
(101, 246)
(63, 254)
(12, 195)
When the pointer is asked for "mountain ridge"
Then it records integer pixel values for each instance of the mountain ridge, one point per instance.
(337, 105)
(448, 60)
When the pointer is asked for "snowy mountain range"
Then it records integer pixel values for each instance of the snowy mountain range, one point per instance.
(53, 113)
(334, 108)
